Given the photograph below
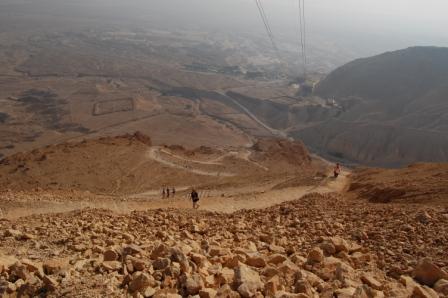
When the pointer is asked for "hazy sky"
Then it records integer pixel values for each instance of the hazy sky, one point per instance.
(384, 24)
(363, 27)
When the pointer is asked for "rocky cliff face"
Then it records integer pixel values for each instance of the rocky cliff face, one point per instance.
(401, 113)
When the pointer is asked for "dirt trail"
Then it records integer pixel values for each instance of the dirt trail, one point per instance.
(153, 153)
(227, 200)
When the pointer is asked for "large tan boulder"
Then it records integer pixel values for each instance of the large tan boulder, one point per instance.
(112, 265)
(247, 280)
(428, 273)
(140, 281)
(55, 265)
(256, 261)
(277, 259)
(340, 244)
(303, 286)
(193, 284)
(245, 274)
(272, 286)
(161, 263)
(316, 255)
(371, 281)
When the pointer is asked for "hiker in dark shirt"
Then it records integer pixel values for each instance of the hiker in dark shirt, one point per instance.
(194, 198)
(337, 170)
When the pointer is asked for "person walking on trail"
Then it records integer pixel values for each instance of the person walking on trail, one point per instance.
(194, 198)
(163, 192)
(173, 191)
(337, 170)
(167, 192)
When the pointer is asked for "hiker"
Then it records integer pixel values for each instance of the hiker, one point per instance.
(173, 191)
(163, 192)
(337, 170)
(167, 192)
(194, 198)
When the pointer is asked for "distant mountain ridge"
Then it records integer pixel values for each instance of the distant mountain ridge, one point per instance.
(401, 114)
(405, 75)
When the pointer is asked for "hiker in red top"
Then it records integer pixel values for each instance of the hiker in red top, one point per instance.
(337, 170)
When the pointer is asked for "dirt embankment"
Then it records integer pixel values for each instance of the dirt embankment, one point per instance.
(417, 183)
(129, 165)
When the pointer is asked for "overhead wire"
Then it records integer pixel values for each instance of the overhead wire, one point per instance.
(304, 36)
(265, 20)
(302, 30)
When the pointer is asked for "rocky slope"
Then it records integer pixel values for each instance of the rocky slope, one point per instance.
(417, 183)
(318, 246)
(128, 164)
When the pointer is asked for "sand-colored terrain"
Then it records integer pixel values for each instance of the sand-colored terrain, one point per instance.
(87, 219)
(418, 183)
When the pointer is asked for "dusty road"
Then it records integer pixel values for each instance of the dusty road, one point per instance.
(224, 200)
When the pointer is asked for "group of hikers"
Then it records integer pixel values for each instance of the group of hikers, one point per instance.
(171, 192)
(166, 192)
(194, 196)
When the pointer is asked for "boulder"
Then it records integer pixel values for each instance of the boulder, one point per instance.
(247, 280)
(369, 280)
(110, 254)
(303, 286)
(277, 259)
(50, 283)
(193, 284)
(55, 265)
(244, 274)
(256, 261)
(140, 281)
(316, 255)
(161, 263)
(112, 265)
(131, 249)
(427, 273)
(247, 290)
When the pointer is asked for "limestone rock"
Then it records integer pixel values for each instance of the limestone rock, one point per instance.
(369, 280)
(140, 281)
(193, 284)
(316, 255)
(55, 265)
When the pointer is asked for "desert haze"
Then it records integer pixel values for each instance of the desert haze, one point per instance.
(234, 148)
